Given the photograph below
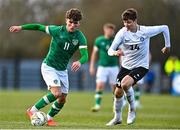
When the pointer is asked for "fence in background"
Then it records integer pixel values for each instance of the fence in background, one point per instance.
(26, 74)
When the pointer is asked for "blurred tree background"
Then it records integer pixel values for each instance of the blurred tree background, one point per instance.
(96, 13)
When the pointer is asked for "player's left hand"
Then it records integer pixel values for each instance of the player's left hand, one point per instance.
(75, 66)
(165, 50)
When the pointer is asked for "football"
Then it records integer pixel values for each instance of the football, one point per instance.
(39, 119)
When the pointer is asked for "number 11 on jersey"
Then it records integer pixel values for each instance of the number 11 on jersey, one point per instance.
(66, 46)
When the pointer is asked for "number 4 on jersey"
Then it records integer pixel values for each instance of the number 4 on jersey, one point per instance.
(133, 47)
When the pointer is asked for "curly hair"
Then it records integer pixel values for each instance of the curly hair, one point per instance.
(74, 14)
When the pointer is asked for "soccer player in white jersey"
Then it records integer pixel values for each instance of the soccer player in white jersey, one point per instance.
(134, 41)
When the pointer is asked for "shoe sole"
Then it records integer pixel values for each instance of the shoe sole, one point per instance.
(95, 110)
(131, 122)
(118, 123)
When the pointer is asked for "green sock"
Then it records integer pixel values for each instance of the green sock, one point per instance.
(45, 100)
(98, 97)
(55, 108)
(137, 93)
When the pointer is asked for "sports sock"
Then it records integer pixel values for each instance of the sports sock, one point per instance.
(130, 98)
(49, 117)
(45, 100)
(33, 109)
(137, 93)
(55, 108)
(98, 98)
(118, 106)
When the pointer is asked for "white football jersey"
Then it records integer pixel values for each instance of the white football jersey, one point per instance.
(135, 45)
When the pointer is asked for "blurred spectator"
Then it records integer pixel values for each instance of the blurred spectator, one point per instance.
(172, 65)
(149, 77)
(149, 80)
(172, 68)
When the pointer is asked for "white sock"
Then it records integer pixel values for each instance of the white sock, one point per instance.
(130, 98)
(34, 109)
(117, 107)
(49, 117)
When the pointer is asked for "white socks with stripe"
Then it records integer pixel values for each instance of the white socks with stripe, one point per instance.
(131, 99)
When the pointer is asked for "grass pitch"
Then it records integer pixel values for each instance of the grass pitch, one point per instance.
(158, 112)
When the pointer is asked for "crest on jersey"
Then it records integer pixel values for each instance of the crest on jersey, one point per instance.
(55, 81)
(75, 41)
(141, 39)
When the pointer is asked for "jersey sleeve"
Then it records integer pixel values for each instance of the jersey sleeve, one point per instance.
(116, 42)
(155, 30)
(33, 26)
(83, 48)
(82, 41)
(52, 30)
(96, 43)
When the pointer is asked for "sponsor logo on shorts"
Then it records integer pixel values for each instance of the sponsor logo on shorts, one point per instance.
(118, 82)
(136, 76)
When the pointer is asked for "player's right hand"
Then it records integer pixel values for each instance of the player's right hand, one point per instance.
(15, 28)
(119, 53)
(92, 71)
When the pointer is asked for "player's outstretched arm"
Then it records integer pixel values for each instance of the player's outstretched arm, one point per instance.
(154, 30)
(38, 27)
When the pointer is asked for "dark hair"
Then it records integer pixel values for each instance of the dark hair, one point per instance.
(109, 25)
(130, 13)
(74, 14)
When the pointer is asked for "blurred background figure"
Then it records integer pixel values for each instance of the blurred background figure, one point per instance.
(172, 69)
(107, 69)
(149, 80)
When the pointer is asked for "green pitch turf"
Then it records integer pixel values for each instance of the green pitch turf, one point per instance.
(159, 112)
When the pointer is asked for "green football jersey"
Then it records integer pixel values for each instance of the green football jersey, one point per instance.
(63, 45)
(103, 45)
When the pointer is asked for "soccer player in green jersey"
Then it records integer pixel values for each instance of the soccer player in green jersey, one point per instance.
(107, 66)
(66, 39)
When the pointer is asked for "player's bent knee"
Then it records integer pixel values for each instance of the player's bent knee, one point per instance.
(124, 85)
(100, 86)
(127, 82)
(118, 92)
(57, 94)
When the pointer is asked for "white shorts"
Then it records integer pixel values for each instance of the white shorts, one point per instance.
(55, 78)
(105, 74)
